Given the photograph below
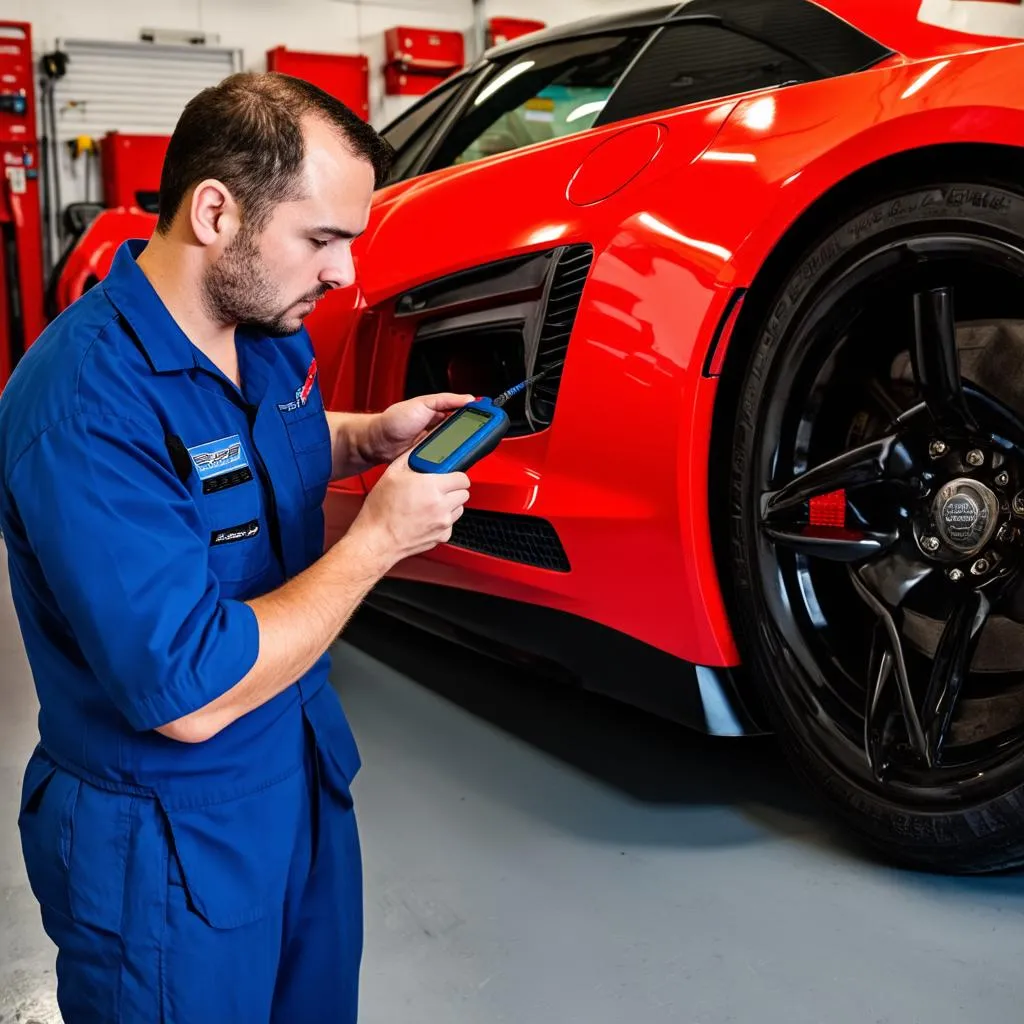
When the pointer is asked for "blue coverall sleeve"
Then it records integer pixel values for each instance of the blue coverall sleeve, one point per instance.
(123, 549)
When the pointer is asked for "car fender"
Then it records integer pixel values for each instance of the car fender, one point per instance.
(754, 187)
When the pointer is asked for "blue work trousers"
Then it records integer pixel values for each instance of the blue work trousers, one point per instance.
(247, 911)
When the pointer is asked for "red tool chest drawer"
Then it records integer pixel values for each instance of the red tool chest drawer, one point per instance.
(504, 30)
(425, 50)
(400, 82)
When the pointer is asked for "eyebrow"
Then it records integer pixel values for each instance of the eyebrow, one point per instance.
(336, 232)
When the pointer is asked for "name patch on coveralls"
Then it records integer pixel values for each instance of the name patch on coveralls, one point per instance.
(233, 533)
(221, 463)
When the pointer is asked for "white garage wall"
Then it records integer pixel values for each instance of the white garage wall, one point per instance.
(255, 26)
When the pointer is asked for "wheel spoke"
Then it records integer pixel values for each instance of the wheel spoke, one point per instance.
(833, 544)
(893, 577)
(880, 667)
(950, 668)
(910, 716)
(872, 463)
(936, 361)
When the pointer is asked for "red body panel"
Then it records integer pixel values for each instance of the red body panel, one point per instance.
(345, 77)
(623, 471)
(678, 223)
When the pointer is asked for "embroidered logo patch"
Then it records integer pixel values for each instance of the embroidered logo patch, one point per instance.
(301, 393)
(215, 457)
(232, 533)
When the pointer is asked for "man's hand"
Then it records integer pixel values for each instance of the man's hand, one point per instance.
(404, 424)
(360, 441)
(408, 513)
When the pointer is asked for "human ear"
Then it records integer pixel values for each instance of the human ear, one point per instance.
(213, 213)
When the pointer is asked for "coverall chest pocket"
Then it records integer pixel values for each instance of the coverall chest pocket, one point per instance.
(239, 546)
(309, 437)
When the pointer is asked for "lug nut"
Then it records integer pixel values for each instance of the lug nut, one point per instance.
(1002, 479)
(937, 448)
(956, 575)
(980, 567)
(1005, 533)
(975, 457)
(930, 543)
(1018, 504)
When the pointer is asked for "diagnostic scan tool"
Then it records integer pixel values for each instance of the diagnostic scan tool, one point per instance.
(467, 435)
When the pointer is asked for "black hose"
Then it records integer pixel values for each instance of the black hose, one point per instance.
(44, 189)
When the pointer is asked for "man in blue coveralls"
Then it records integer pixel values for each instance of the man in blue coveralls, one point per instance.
(186, 818)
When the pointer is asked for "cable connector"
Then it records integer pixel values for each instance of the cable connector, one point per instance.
(512, 392)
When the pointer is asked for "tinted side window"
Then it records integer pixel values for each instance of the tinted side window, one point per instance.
(410, 133)
(540, 94)
(690, 63)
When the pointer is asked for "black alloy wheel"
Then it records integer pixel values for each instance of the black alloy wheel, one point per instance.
(877, 521)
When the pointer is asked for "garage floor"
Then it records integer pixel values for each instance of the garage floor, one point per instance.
(538, 856)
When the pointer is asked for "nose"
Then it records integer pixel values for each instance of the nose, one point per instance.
(340, 272)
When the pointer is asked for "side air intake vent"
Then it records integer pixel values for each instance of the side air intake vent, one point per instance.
(487, 328)
(553, 344)
(516, 538)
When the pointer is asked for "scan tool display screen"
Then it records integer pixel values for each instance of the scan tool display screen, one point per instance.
(460, 428)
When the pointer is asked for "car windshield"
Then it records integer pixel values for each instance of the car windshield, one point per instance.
(542, 94)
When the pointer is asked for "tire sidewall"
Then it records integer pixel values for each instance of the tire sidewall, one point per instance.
(980, 838)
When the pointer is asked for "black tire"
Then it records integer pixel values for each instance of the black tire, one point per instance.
(977, 833)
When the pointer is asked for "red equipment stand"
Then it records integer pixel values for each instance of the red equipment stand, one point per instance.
(420, 58)
(345, 77)
(21, 252)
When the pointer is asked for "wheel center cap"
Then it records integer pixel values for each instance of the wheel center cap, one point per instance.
(965, 514)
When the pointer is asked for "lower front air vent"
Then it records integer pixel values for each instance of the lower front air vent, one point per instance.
(515, 538)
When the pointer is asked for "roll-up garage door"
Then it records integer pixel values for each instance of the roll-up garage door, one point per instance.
(136, 88)
(133, 88)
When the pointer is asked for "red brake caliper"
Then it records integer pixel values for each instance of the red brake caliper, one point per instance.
(829, 510)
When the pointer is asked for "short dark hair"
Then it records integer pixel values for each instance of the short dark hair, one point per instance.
(247, 132)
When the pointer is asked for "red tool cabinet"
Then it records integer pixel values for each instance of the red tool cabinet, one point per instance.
(21, 250)
(345, 77)
(425, 50)
(420, 58)
(131, 166)
(504, 30)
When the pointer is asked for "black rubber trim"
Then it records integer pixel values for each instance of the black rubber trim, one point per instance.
(734, 300)
(565, 647)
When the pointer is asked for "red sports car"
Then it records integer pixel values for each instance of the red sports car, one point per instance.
(771, 253)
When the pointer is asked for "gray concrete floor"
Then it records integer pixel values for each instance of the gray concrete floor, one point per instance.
(539, 856)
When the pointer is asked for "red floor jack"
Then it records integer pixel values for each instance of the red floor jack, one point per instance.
(21, 238)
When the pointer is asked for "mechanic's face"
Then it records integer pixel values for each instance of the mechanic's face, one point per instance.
(273, 279)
